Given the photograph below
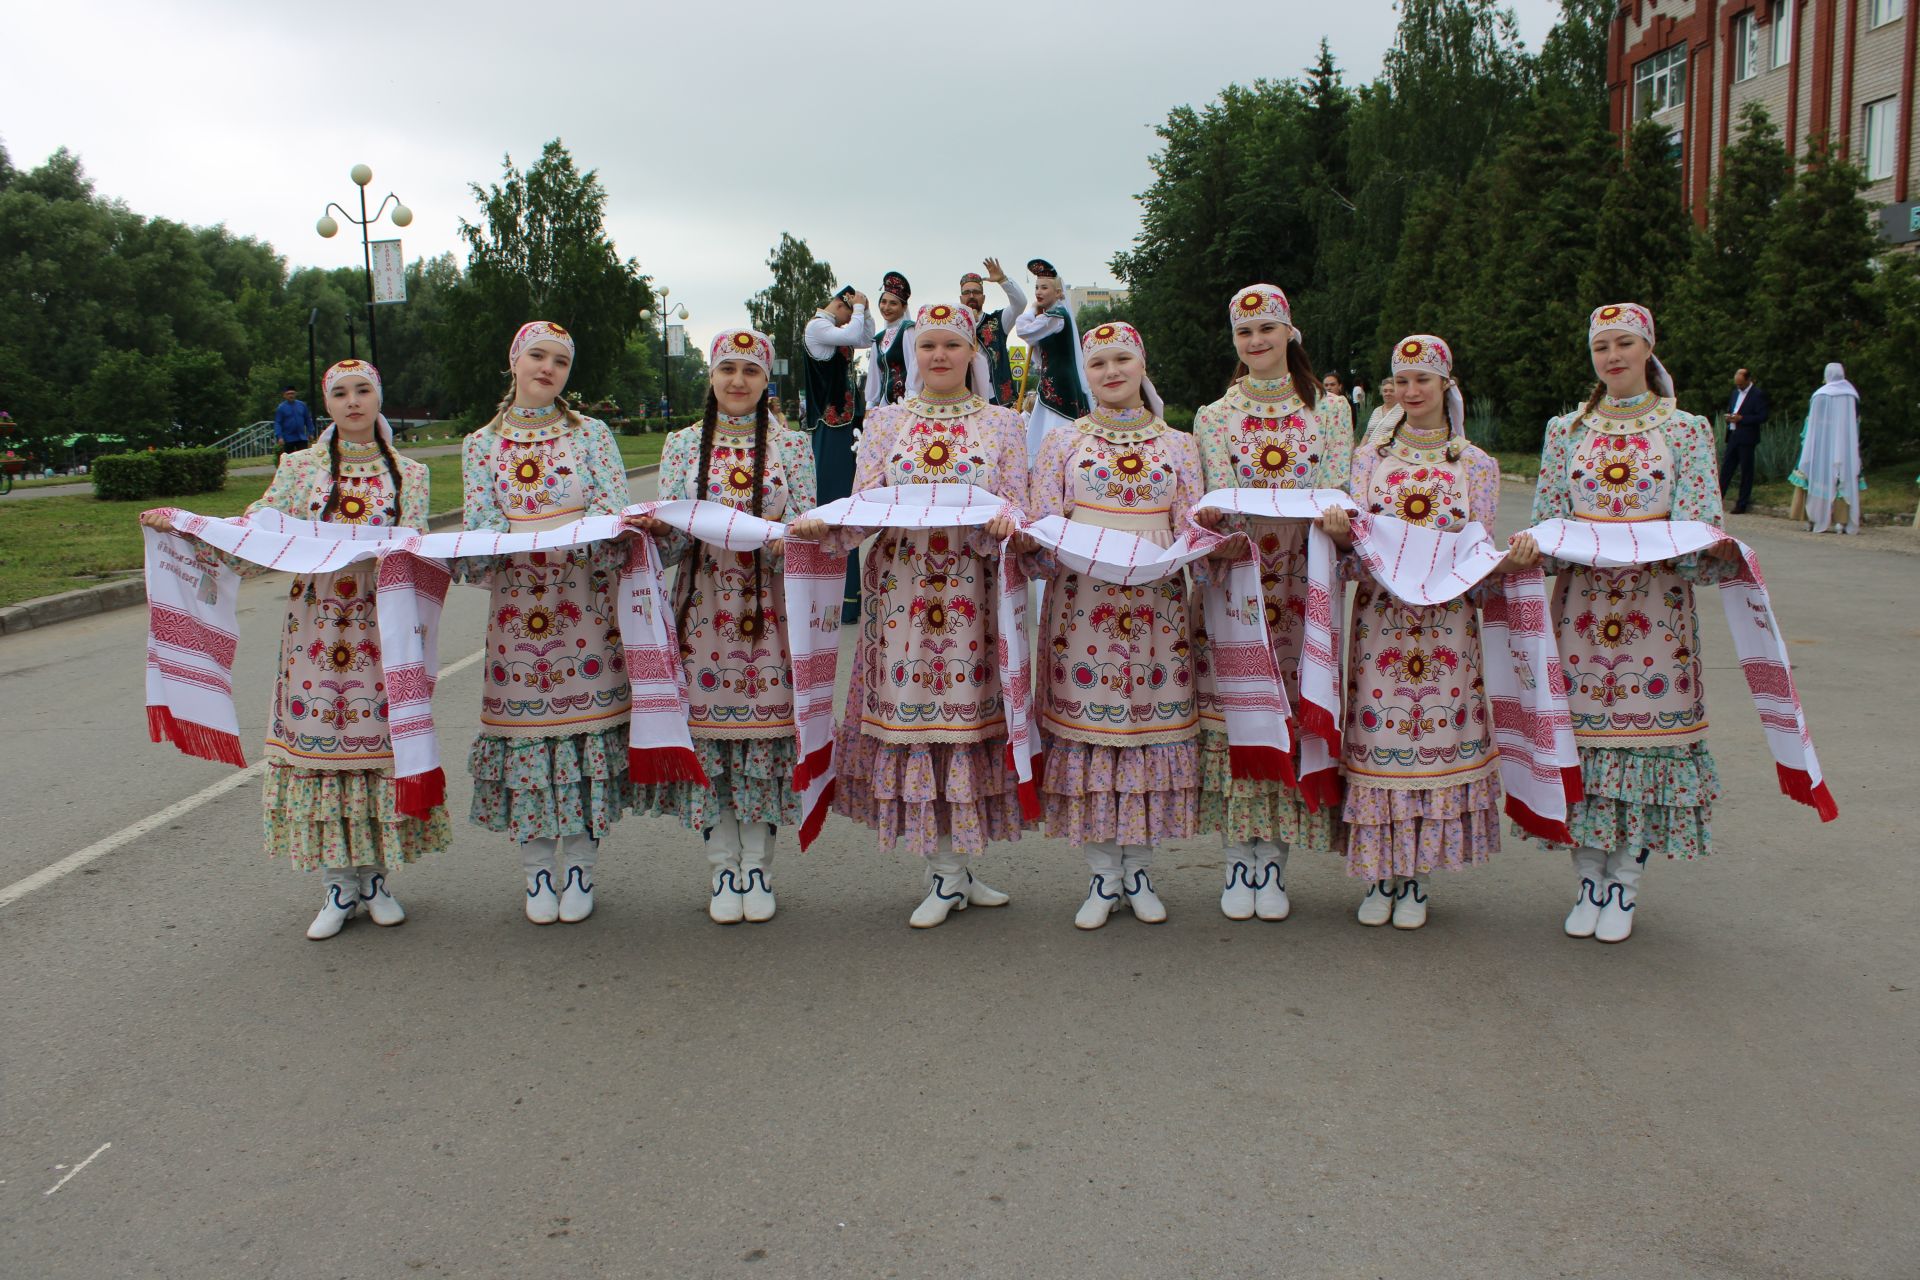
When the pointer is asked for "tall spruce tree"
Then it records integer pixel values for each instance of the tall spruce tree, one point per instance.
(801, 283)
(1814, 277)
(1643, 235)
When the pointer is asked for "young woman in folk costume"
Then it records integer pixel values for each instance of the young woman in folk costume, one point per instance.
(1422, 786)
(922, 750)
(1265, 433)
(330, 796)
(550, 763)
(1115, 663)
(733, 635)
(1629, 638)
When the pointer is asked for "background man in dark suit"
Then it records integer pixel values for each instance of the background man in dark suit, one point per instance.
(1746, 415)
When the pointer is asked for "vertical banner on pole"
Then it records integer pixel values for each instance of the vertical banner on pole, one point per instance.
(676, 341)
(389, 272)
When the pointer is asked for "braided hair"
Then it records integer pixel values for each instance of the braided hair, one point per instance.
(753, 623)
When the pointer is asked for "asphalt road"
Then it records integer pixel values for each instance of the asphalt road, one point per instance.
(1729, 1094)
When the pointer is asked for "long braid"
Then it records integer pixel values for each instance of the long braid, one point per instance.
(333, 473)
(393, 472)
(708, 419)
(759, 474)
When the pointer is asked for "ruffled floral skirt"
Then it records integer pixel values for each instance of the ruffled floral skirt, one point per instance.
(1657, 799)
(344, 818)
(914, 794)
(543, 788)
(1393, 832)
(752, 779)
(1243, 810)
(1128, 795)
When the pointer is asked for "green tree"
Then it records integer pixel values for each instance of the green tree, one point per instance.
(800, 284)
(1643, 235)
(1813, 278)
(540, 250)
(1574, 58)
(1706, 329)
(1884, 369)
(129, 394)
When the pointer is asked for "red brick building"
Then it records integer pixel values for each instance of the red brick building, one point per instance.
(1839, 68)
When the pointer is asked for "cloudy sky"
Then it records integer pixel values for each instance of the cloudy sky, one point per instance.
(877, 132)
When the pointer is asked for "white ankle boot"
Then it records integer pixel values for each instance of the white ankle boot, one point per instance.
(1589, 866)
(1377, 907)
(576, 891)
(1237, 899)
(380, 905)
(1141, 899)
(946, 878)
(1103, 889)
(756, 895)
(342, 888)
(1270, 894)
(1410, 903)
(538, 857)
(723, 856)
(1617, 899)
(979, 892)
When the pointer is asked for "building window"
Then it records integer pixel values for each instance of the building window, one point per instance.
(1882, 127)
(1746, 47)
(1885, 11)
(1782, 32)
(1660, 82)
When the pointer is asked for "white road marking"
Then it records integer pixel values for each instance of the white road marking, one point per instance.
(76, 1169)
(100, 848)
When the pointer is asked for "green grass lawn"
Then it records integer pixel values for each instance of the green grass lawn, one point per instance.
(59, 544)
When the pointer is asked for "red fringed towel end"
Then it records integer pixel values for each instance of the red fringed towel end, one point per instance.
(419, 795)
(1029, 792)
(1798, 784)
(650, 766)
(1320, 790)
(1261, 764)
(1318, 721)
(816, 818)
(194, 739)
(811, 767)
(1535, 825)
(1571, 784)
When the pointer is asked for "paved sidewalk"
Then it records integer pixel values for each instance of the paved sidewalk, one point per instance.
(85, 486)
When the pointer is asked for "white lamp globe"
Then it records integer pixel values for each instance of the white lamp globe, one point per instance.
(361, 175)
(327, 227)
(402, 215)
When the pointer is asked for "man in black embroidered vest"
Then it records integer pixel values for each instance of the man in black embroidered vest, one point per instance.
(994, 326)
(890, 367)
(831, 336)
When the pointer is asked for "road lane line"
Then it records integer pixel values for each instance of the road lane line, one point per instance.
(99, 849)
(76, 1169)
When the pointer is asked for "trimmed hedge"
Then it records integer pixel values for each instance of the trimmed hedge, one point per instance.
(123, 476)
(159, 473)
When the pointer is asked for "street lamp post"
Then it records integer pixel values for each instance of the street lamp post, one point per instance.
(667, 314)
(327, 227)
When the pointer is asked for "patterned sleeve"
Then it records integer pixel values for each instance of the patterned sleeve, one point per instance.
(803, 486)
(1210, 436)
(1483, 506)
(1190, 484)
(1696, 494)
(1336, 452)
(1010, 470)
(289, 483)
(1552, 492)
(677, 460)
(1361, 476)
(1047, 485)
(869, 466)
(416, 502)
(607, 489)
(480, 510)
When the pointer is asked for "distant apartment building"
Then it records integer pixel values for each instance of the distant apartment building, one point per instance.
(1839, 68)
(1084, 297)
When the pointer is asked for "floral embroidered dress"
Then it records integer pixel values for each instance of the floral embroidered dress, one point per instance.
(551, 757)
(922, 750)
(738, 661)
(1423, 789)
(1629, 638)
(1261, 435)
(329, 799)
(1117, 702)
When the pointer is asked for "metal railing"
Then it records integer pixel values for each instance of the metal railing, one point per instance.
(251, 441)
